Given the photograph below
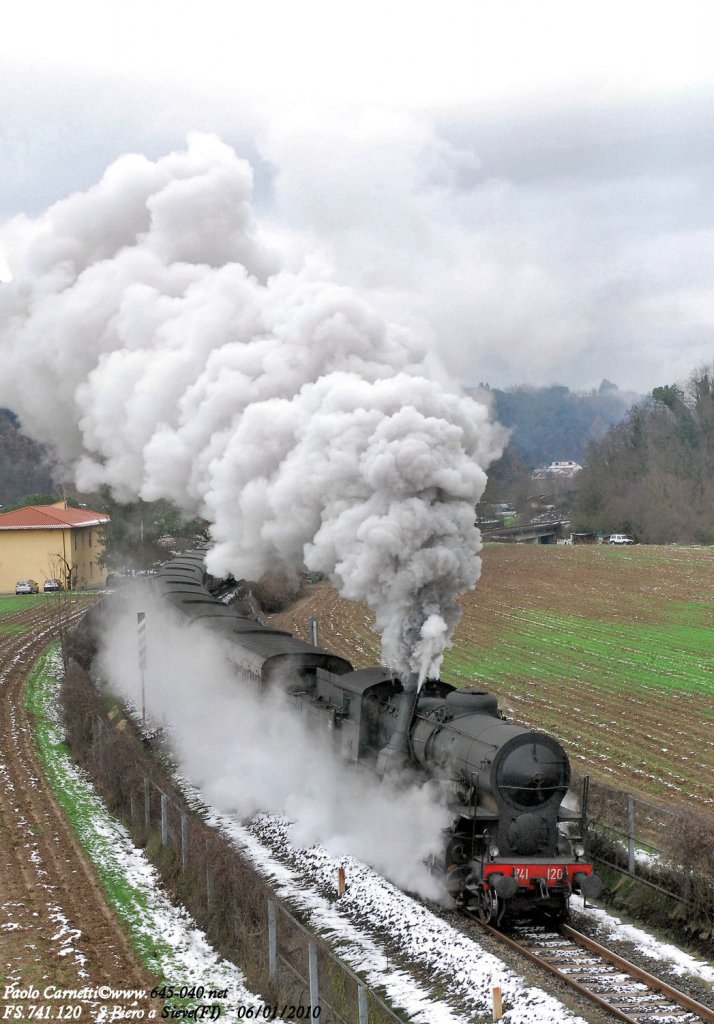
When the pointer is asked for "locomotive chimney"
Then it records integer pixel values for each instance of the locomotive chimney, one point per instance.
(396, 753)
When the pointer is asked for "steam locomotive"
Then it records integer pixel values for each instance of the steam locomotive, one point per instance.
(513, 848)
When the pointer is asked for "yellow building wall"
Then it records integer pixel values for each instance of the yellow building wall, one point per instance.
(45, 554)
(87, 546)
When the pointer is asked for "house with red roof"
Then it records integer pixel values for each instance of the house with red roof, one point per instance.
(42, 542)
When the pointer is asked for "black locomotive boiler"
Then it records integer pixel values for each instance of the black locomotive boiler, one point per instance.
(513, 846)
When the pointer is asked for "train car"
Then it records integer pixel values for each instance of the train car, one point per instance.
(514, 847)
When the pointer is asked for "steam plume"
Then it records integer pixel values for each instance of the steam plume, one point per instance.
(150, 334)
(249, 754)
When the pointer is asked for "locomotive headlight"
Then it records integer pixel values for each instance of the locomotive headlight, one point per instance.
(493, 851)
(579, 850)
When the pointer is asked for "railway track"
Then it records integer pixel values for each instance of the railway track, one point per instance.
(617, 986)
(56, 926)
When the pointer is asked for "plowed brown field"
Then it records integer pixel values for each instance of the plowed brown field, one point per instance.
(55, 927)
(610, 649)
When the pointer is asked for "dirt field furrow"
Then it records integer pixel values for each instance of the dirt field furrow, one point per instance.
(609, 649)
(55, 927)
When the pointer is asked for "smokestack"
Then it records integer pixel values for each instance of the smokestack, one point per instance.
(396, 753)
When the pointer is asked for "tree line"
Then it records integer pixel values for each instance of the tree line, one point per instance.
(24, 465)
(552, 424)
(652, 475)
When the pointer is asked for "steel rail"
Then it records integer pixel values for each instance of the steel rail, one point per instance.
(656, 984)
(636, 1014)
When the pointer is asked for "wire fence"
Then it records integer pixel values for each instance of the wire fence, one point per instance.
(635, 827)
(670, 850)
(295, 970)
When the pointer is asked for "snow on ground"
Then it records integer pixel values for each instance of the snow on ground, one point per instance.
(374, 908)
(374, 923)
(358, 949)
(663, 953)
(180, 952)
(372, 926)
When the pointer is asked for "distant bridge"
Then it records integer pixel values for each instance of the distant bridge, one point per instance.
(529, 533)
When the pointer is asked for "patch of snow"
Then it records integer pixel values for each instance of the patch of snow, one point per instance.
(679, 962)
(372, 907)
(184, 956)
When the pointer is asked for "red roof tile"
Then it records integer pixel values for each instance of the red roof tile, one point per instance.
(50, 517)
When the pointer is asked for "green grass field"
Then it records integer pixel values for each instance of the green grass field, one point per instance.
(10, 603)
(627, 657)
(610, 649)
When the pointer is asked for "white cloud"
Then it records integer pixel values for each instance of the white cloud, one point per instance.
(401, 53)
(525, 184)
(524, 265)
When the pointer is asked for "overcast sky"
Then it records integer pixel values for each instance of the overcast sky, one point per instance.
(526, 183)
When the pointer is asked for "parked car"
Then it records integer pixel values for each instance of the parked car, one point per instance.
(621, 538)
(26, 587)
(50, 585)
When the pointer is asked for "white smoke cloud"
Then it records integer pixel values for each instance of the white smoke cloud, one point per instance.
(248, 753)
(151, 336)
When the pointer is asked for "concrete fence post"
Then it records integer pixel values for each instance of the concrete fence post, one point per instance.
(630, 833)
(272, 943)
(209, 879)
(362, 1004)
(147, 804)
(312, 965)
(164, 820)
(184, 841)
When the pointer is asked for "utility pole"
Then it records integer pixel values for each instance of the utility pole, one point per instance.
(141, 628)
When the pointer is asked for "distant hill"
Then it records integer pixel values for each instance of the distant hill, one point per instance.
(548, 425)
(552, 424)
(23, 467)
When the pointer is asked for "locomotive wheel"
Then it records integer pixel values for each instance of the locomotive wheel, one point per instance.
(488, 906)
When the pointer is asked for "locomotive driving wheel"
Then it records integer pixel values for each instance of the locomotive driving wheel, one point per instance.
(488, 905)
